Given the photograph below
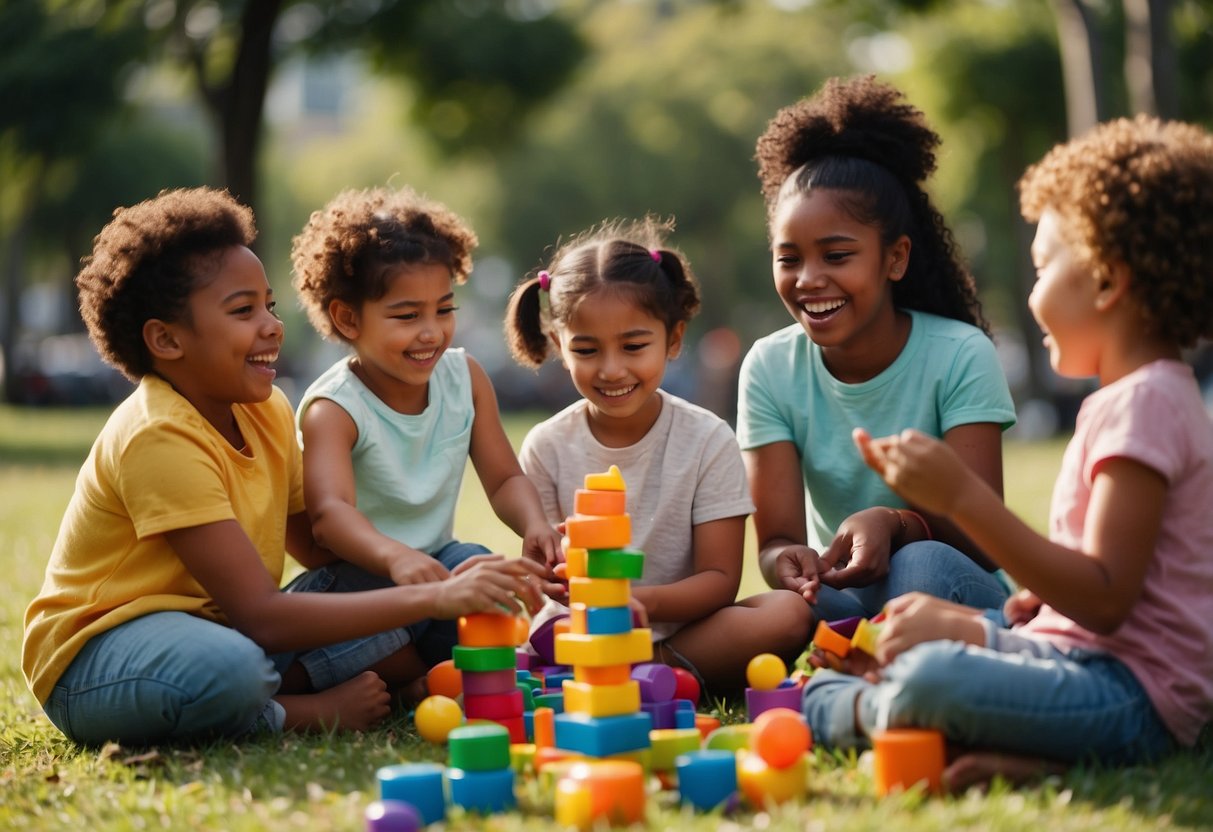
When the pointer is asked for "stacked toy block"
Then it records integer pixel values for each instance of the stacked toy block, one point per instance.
(602, 702)
(485, 657)
(480, 775)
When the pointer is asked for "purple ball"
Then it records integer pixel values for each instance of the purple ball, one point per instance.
(392, 816)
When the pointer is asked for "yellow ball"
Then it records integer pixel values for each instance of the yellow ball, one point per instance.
(765, 671)
(436, 716)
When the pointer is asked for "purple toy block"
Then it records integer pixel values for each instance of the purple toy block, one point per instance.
(757, 701)
(664, 714)
(657, 682)
(523, 659)
(543, 640)
(845, 627)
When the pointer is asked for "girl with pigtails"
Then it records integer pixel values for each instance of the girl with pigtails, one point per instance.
(613, 306)
(888, 335)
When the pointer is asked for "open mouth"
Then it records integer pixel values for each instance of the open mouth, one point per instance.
(263, 361)
(422, 356)
(823, 309)
(616, 392)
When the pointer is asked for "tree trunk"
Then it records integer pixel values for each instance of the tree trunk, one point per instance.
(1081, 64)
(14, 283)
(1150, 62)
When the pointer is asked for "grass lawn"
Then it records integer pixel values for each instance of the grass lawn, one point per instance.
(324, 782)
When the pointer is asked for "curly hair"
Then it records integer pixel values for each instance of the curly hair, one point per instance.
(859, 139)
(629, 256)
(145, 263)
(350, 249)
(1138, 192)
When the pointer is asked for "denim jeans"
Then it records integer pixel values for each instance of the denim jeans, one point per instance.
(1021, 696)
(172, 676)
(926, 566)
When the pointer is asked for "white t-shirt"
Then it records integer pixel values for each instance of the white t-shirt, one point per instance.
(686, 470)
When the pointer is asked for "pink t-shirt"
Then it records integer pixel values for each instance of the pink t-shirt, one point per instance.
(1154, 416)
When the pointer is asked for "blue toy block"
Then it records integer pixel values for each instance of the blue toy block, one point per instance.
(684, 713)
(528, 725)
(482, 791)
(606, 621)
(706, 778)
(603, 736)
(417, 783)
(556, 680)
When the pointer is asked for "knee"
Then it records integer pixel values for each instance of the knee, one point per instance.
(922, 682)
(787, 621)
(235, 681)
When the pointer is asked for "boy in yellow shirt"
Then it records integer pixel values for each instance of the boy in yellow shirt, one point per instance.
(161, 616)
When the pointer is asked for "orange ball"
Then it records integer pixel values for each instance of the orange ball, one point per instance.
(444, 679)
(780, 736)
(765, 671)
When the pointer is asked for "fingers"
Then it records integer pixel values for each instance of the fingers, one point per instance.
(474, 561)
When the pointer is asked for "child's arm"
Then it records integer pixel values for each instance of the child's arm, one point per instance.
(328, 488)
(718, 547)
(511, 494)
(223, 560)
(776, 485)
(302, 545)
(1097, 586)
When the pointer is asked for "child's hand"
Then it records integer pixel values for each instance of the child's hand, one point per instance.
(796, 568)
(640, 616)
(916, 617)
(854, 663)
(1021, 607)
(923, 470)
(542, 545)
(414, 567)
(486, 583)
(863, 546)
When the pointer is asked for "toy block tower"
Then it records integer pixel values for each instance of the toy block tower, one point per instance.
(485, 657)
(602, 714)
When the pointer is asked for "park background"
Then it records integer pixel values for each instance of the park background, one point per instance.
(533, 119)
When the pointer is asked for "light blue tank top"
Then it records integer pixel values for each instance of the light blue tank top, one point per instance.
(407, 468)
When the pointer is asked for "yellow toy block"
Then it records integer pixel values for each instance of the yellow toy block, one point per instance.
(488, 629)
(625, 648)
(601, 700)
(586, 531)
(865, 637)
(607, 674)
(612, 480)
(601, 503)
(667, 743)
(600, 592)
(575, 559)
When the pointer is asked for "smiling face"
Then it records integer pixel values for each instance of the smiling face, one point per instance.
(1063, 301)
(222, 352)
(833, 274)
(399, 337)
(616, 353)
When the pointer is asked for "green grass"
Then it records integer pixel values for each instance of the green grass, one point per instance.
(324, 782)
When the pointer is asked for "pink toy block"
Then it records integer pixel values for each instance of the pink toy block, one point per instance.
(489, 682)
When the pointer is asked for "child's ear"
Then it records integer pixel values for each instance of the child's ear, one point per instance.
(899, 257)
(676, 335)
(161, 340)
(1114, 285)
(344, 318)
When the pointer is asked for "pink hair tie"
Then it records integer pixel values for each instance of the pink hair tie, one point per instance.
(656, 255)
(545, 281)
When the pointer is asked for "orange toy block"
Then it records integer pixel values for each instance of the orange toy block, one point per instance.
(601, 700)
(610, 674)
(906, 757)
(601, 503)
(490, 629)
(575, 561)
(586, 531)
(626, 648)
(830, 641)
(606, 790)
(612, 480)
(600, 592)
(543, 721)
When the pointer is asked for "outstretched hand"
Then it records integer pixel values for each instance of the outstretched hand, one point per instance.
(488, 583)
(923, 470)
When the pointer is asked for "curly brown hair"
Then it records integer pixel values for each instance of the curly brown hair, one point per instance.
(1139, 192)
(349, 249)
(629, 256)
(145, 263)
(860, 139)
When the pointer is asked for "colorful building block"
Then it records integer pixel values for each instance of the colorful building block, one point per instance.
(544, 727)
(625, 648)
(599, 621)
(543, 639)
(667, 744)
(574, 562)
(611, 480)
(729, 737)
(657, 681)
(608, 674)
(486, 792)
(705, 724)
(907, 757)
(757, 701)
(494, 705)
(764, 784)
(610, 791)
(865, 636)
(601, 700)
(827, 639)
(602, 736)
(483, 658)
(551, 699)
(624, 562)
(490, 629)
(522, 757)
(706, 778)
(588, 531)
(481, 683)
(684, 714)
(484, 746)
(594, 501)
(662, 713)
(419, 784)
(599, 592)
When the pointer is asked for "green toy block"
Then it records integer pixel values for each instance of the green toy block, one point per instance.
(624, 562)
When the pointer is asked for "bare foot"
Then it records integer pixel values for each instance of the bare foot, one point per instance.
(355, 705)
(980, 767)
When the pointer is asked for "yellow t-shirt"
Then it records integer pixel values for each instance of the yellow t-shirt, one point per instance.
(158, 465)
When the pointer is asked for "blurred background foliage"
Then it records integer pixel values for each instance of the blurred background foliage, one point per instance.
(535, 119)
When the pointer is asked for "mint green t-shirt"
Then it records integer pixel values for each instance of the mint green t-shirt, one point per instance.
(947, 375)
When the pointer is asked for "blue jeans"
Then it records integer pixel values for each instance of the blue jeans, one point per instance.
(172, 676)
(1021, 696)
(926, 566)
